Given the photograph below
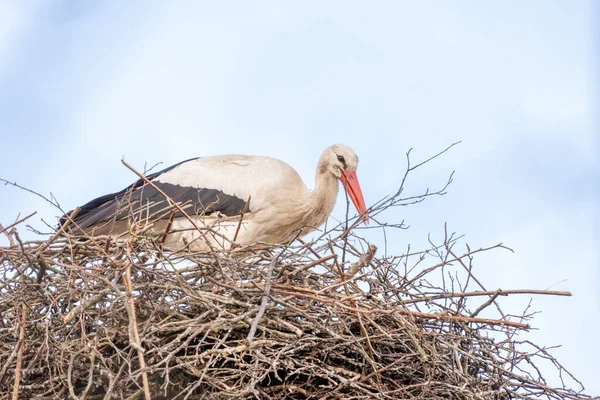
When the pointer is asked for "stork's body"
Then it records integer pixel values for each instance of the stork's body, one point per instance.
(215, 191)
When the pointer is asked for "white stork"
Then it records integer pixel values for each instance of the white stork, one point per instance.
(226, 199)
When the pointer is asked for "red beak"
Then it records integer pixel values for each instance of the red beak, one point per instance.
(350, 182)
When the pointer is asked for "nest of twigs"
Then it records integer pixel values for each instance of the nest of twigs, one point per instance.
(332, 320)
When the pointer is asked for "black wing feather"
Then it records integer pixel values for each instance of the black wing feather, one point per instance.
(141, 201)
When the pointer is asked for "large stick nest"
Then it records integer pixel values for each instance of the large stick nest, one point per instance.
(94, 319)
(125, 320)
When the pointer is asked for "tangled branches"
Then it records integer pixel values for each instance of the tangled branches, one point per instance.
(125, 321)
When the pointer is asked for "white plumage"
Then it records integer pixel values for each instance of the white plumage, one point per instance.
(215, 192)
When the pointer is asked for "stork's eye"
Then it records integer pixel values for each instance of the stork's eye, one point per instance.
(341, 159)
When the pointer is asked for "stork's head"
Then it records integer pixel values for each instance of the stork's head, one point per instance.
(342, 162)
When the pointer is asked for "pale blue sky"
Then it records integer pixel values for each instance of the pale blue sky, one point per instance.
(83, 84)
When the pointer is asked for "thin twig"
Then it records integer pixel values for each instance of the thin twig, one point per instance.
(136, 342)
(264, 300)
(21, 346)
(239, 225)
(54, 203)
(60, 231)
(6, 229)
(499, 292)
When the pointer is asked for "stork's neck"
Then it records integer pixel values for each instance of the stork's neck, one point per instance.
(323, 197)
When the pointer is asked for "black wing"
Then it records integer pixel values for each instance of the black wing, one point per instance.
(141, 201)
